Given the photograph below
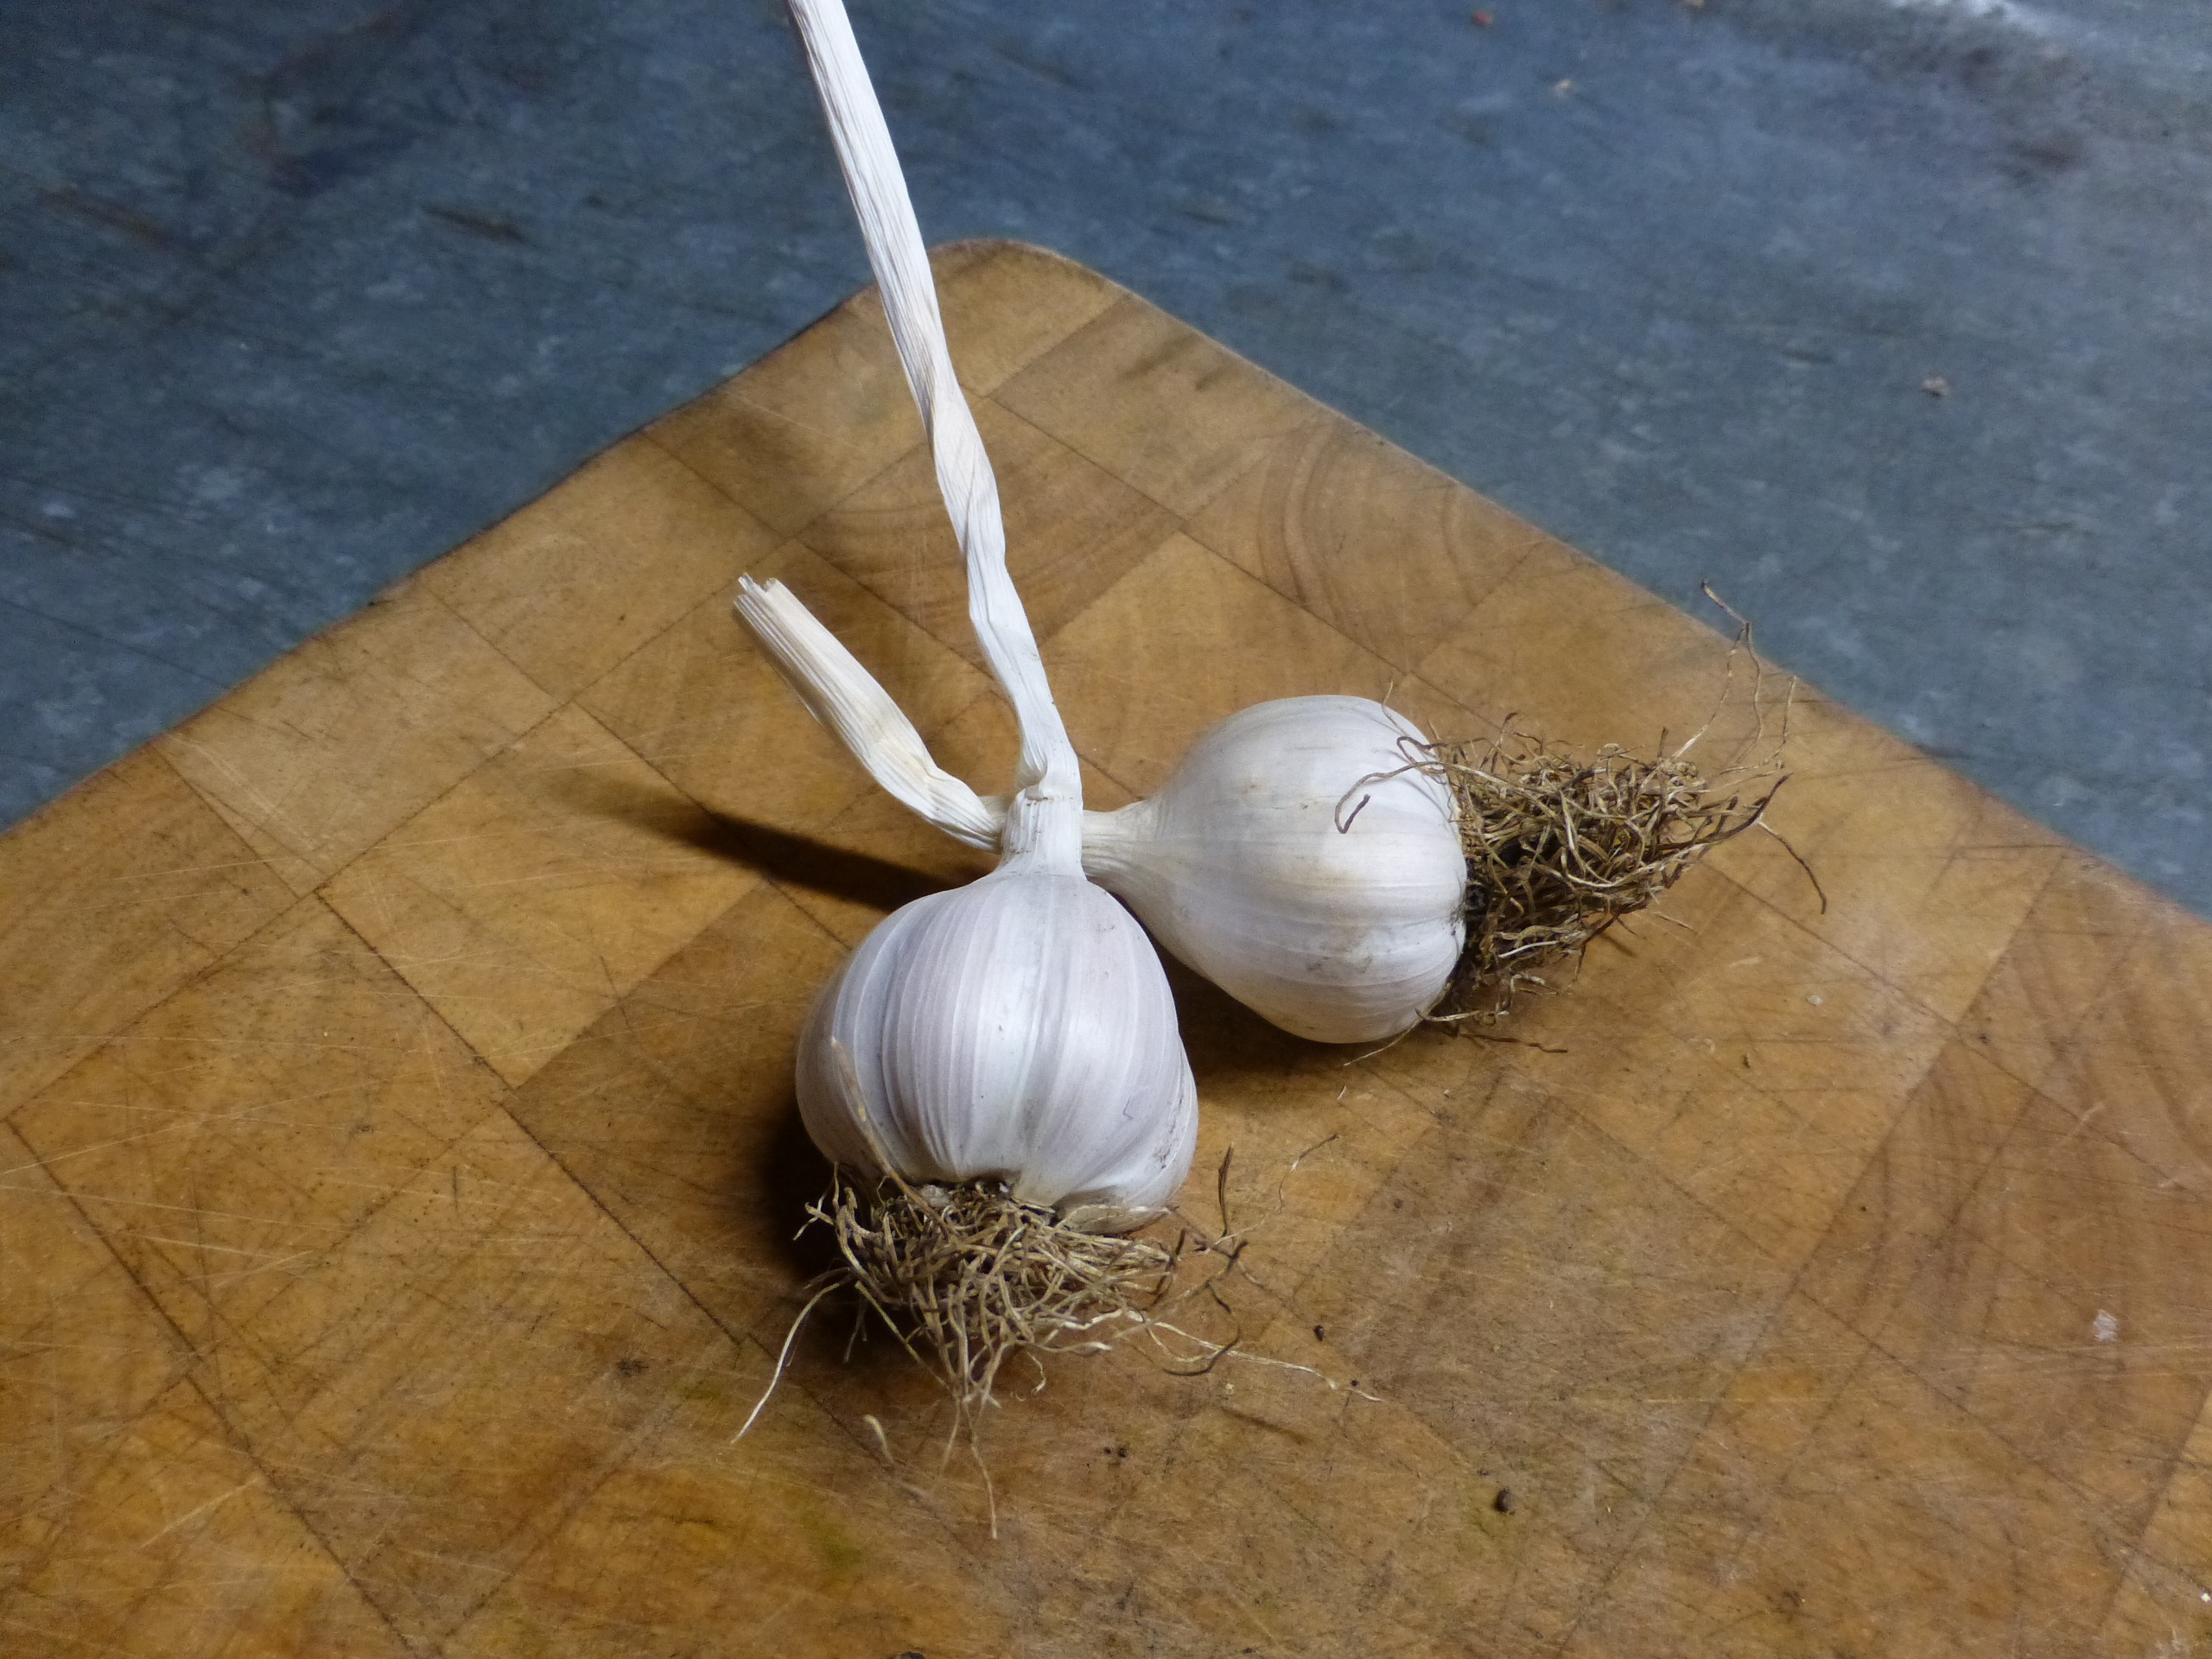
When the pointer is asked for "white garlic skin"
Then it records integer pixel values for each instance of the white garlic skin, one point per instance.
(1018, 1028)
(1239, 866)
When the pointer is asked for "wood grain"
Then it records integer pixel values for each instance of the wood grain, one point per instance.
(401, 1165)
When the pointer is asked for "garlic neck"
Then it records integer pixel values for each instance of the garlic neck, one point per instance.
(1112, 840)
(1043, 830)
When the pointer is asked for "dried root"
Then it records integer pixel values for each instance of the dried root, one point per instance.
(968, 1276)
(1559, 848)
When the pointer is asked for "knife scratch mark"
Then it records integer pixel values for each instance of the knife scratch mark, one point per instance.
(194, 1514)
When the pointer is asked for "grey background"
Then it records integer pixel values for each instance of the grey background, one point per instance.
(297, 295)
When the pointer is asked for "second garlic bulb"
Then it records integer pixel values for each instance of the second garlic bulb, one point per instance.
(1281, 862)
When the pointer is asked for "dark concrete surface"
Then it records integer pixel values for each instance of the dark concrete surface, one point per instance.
(293, 297)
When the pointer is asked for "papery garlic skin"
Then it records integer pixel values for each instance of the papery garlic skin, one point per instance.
(1018, 1029)
(1284, 862)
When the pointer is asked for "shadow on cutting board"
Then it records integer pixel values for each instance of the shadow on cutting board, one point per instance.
(782, 855)
(1226, 1040)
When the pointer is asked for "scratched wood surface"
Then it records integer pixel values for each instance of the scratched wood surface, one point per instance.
(401, 1159)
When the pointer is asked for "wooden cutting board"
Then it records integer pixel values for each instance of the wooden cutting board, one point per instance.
(402, 1161)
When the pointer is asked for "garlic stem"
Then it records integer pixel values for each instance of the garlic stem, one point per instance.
(847, 699)
(843, 695)
(1047, 770)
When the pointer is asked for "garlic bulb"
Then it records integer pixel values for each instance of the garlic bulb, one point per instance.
(1019, 1032)
(1297, 860)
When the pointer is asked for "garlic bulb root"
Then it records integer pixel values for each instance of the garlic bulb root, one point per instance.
(1560, 848)
(968, 1277)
